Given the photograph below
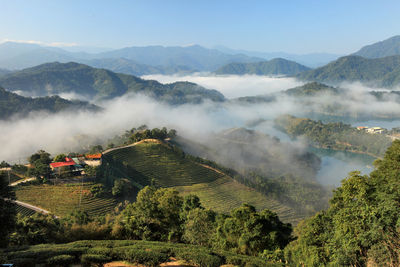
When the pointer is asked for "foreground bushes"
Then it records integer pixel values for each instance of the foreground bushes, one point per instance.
(140, 252)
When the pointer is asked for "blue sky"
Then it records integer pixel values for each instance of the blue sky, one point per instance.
(290, 26)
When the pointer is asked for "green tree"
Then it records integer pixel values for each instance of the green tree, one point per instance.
(59, 158)
(249, 232)
(7, 210)
(200, 227)
(154, 216)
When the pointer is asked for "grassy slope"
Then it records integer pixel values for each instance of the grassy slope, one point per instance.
(216, 190)
(62, 199)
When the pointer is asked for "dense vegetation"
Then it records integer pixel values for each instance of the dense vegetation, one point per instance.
(12, 104)
(361, 225)
(380, 71)
(157, 215)
(147, 253)
(276, 66)
(385, 48)
(337, 135)
(7, 210)
(56, 78)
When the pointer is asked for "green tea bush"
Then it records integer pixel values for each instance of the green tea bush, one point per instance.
(148, 258)
(88, 259)
(62, 260)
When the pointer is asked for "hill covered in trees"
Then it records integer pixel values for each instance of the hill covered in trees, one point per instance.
(12, 104)
(361, 225)
(55, 78)
(378, 71)
(385, 48)
(276, 66)
(337, 135)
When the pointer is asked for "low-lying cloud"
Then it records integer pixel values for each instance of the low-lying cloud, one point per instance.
(233, 86)
(69, 131)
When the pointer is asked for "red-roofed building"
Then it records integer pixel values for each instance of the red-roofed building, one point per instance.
(61, 164)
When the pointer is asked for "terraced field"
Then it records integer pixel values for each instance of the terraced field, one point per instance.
(170, 169)
(62, 199)
(156, 161)
(24, 211)
(225, 194)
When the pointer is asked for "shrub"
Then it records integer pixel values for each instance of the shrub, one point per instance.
(87, 259)
(203, 259)
(148, 258)
(63, 260)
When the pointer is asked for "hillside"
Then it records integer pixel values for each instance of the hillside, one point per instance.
(337, 136)
(276, 66)
(126, 66)
(312, 89)
(4, 71)
(277, 170)
(385, 48)
(380, 71)
(55, 78)
(65, 198)
(166, 166)
(12, 104)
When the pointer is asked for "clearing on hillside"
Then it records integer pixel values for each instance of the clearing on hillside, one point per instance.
(65, 198)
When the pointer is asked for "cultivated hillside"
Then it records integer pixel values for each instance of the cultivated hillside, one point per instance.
(158, 163)
(12, 104)
(55, 78)
(276, 66)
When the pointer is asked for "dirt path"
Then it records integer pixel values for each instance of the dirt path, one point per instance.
(22, 181)
(134, 144)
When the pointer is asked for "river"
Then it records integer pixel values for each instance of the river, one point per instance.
(335, 165)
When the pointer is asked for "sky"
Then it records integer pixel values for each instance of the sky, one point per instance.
(333, 26)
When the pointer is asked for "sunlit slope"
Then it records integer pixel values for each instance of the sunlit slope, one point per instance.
(157, 163)
(63, 199)
(167, 167)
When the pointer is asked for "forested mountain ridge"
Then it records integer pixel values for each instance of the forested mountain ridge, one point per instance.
(276, 66)
(379, 72)
(56, 78)
(388, 47)
(12, 104)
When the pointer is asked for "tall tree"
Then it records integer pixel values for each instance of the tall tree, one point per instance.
(7, 210)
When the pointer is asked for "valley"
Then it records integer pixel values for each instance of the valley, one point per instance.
(205, 134)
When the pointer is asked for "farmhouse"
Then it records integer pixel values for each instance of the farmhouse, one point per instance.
(69, 166)
(93, 159)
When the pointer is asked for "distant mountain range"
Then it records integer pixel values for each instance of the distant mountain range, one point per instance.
(195, 56)
(164, 59)
(276, 66)
(56, 78)
(385, 48)
(312, 60)
(12, 104)
(127, 66)
(383, 72)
